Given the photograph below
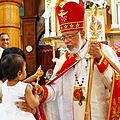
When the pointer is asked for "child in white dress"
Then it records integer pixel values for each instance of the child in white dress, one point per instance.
(14, 69)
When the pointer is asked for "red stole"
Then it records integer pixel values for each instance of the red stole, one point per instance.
(40, 115)
(114, 106)
(37, 114)
(71, 60)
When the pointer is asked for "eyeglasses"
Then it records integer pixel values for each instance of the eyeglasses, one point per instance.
(70, 36)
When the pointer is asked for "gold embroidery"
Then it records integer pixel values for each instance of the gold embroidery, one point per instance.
(70, 55)
(77, 25)
(116, 109)
(105, 62)
(71, 25)
(65, 26)
(117, 76)
(62, 13)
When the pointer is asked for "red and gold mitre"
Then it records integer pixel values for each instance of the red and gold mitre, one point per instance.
(70, 16)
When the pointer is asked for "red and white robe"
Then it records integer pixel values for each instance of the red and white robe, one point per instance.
(58, 94)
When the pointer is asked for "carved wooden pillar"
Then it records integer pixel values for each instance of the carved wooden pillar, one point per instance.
(29, 22)
(29, 42)
(30, 7)
(10, 20)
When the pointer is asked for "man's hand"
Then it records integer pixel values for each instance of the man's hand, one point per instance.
(94, 51)
(37, 89)
(24, 106)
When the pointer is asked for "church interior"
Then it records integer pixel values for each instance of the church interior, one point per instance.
(32, 26)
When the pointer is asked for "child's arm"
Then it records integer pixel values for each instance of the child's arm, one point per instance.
(32, 78)
(32, 100)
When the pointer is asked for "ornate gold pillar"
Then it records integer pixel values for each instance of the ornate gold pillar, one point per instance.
(10, 20)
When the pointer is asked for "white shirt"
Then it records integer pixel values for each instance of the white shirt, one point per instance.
(1, 51)
(1, 91)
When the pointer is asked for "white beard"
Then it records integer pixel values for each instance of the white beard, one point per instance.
(76, 49)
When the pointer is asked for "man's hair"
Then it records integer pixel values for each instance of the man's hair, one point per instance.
(11, 64)
(3, 34)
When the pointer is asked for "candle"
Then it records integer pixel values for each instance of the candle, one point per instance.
(53, 24)
(46, 27)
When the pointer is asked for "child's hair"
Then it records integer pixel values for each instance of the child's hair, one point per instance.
(11, 64)
(11, 50)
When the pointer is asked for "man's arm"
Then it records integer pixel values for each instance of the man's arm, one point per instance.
(106, 60)
(32, 100)
(23, 105)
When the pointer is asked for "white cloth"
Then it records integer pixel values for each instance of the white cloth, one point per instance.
(1, 51)
(8, 109)
(60, 105)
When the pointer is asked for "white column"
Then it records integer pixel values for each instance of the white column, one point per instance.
(114, 15)
(53, 45)
(46, 16)
(53, 22)
(46, 5)
(119, 13)
(54, 59)
(58, 28)
(46, 27)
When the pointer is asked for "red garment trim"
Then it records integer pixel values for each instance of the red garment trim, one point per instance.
(103, 66)
(114, 104)
(70, 62)
(70, 59)
(45, 94)
(42, 112)
(37, 115)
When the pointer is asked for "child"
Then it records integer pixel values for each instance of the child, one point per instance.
(14, 69)
(11, 50)
(14, 50)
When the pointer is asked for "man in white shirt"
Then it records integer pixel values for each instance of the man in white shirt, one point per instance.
(4, 43)
(4, 40)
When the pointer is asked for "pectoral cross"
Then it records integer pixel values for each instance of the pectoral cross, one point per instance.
(78, 94)
(81, 97)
